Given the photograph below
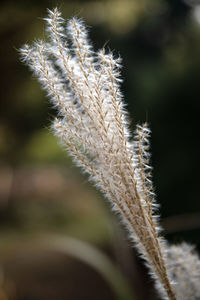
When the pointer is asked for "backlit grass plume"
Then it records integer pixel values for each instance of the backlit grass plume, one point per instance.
(84, 86)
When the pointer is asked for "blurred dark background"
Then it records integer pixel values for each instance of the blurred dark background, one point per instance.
(43, 197)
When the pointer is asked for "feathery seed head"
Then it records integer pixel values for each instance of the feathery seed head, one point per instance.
(93, 126)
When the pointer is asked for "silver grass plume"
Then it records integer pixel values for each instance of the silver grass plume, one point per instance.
(184, 266)
(92, 125)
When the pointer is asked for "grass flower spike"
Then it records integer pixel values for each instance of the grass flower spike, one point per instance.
(84, 86)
